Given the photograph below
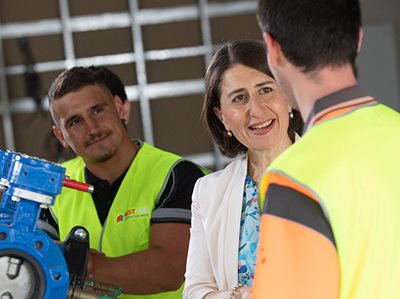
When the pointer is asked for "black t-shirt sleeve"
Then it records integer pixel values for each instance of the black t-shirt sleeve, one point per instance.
(175, 202)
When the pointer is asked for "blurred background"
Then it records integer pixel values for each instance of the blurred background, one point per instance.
(160, 49)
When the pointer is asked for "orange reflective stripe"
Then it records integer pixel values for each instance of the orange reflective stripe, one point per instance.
(334, 113)
(294, 262)
(343, 110)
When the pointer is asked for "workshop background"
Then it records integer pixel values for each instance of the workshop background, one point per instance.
(160, 49)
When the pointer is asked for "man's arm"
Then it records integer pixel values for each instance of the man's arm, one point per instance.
(158, 269)
(297, 256)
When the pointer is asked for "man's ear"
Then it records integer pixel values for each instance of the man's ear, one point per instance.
(123, 108)
(274, 51)
(360, 39)
(60, 136)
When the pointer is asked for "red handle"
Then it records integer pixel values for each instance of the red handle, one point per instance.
(78, 185)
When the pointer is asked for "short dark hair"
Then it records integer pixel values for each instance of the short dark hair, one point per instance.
(112, 81)
(313, 33)
(74, 79)
(251, 54)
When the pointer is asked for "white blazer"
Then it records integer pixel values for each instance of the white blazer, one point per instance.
(212, 262)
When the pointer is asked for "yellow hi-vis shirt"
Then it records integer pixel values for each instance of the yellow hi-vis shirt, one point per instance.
(331, 224)
(127, 227)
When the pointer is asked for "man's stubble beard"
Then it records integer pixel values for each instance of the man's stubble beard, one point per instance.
(286, 89)
(105, 157)
(105, 154)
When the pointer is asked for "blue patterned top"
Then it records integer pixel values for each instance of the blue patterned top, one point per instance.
(249, 232)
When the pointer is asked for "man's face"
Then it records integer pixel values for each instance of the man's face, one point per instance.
(285, 87)
(87, 120)
(279, 70)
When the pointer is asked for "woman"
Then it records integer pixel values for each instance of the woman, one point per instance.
(246, 114)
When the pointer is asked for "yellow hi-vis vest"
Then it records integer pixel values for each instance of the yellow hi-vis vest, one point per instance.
(127, 227)
(73, 165)
(351, 163)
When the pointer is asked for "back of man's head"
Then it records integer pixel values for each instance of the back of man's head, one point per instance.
(112, 81)
(313, 33)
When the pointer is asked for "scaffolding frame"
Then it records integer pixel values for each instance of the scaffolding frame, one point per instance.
(134, 19)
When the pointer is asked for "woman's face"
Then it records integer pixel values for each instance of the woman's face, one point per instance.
(253, 108)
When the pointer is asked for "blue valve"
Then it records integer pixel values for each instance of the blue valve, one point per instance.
(31, 264)
(7, 206)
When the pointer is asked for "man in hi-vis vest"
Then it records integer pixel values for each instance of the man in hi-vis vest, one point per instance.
(330, 225)
(138, 217)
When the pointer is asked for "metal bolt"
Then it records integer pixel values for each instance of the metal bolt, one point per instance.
(15, 198)
(81, 233)
(38, 245)
(14, 267)
(57, 276)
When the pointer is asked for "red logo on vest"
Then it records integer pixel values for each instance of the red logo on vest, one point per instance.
(134, 213)
(129, 213)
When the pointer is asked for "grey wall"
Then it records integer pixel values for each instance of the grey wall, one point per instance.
(379, 60)
(377, 64)
(383, 11)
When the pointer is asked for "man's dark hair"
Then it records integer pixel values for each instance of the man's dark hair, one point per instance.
(73, 79)
(251, 54)
(112, 81)
(78, 77)
(313, 33)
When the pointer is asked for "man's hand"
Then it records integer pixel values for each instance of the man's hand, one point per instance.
(90, 267)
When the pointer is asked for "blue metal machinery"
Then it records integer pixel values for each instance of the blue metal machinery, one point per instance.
(32, 265)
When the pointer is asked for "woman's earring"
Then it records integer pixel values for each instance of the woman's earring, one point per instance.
(229, 133)
(291, 114)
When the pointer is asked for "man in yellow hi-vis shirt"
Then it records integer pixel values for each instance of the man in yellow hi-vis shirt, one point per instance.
(330, 225)
(138, 216)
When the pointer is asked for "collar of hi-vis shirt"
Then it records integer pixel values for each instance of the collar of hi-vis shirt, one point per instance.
(338, 104)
